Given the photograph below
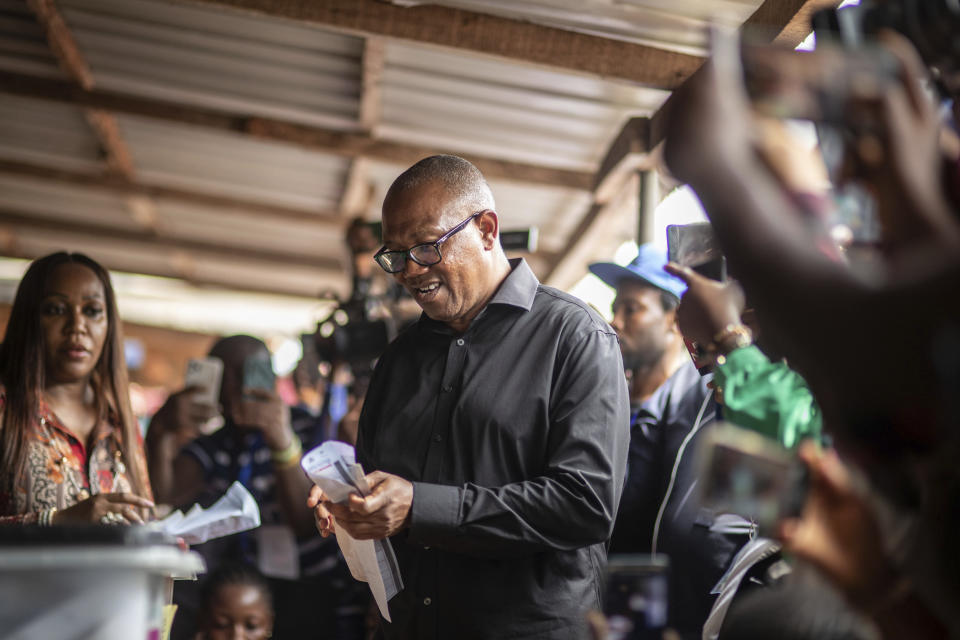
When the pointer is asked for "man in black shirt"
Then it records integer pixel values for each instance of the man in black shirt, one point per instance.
(496, 426)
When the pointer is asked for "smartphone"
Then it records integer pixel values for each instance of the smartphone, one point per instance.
(750, 475)
(206, 374)
(258, 372)
(635, 603)
(695, 245)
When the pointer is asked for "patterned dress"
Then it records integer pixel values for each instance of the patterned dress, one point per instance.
(60, 471)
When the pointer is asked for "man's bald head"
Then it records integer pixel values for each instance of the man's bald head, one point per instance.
(462, 182)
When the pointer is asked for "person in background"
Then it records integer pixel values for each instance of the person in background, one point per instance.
(655, 361)
(644, 317)
(731, 379)
(71, 446)
(235, 604)
(260, 445)
(879, 349)
(672, 406)
(753, 390)
(494, 431)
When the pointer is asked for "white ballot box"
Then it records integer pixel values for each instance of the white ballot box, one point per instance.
(90, 583)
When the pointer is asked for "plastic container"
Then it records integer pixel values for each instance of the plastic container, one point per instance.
(95, 583)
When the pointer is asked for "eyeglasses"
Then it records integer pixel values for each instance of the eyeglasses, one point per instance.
(426, 254)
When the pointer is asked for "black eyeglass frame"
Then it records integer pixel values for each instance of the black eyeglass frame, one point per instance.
(408, 253)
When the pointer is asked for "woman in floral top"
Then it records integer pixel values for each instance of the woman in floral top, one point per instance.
(70, 447)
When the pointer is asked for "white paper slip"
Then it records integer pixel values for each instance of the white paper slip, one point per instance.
(235, 511)
(332, 467)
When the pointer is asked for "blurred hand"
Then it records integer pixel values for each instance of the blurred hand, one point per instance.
(838, 533)
(264, 410)
(381, 514)
(800, 169)
(908, 183)
(708, 117)
(707, 307)
(325, 522)
(91, 510)
(180, 418)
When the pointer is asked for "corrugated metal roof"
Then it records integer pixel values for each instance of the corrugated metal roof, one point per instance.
(204, 57)
(23, 46)
(495, 108)
(211, 58)
(677, 25)
(47, 133)
(45, 199)
(189, 221)
(233, 164)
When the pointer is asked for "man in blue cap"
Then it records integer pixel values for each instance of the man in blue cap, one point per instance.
(670, 406)
(644, 317)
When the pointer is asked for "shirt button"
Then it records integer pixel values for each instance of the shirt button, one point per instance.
(427, 601)
(459, 342)
(438, 438)
(446, 389)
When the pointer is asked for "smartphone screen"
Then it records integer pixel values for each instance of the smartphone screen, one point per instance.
(635, 604)
(258, 372)
(206, 375)
(750, 475)
(694, 245)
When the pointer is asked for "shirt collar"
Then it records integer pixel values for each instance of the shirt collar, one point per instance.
(519, 288)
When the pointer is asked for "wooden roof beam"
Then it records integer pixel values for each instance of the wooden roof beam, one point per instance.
(13, 248)
(482, 33)
(638, 145)
(16, 219)
(127, 189)
(782, 22)
(64, 47)
(344, 143)
(61, 42)
(358, 191)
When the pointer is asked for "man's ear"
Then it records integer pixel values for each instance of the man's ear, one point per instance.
(673, 321)
(489, 229)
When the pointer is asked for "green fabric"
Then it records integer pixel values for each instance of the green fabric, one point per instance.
(767, 397)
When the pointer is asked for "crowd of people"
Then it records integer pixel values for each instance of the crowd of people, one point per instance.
(512, 437)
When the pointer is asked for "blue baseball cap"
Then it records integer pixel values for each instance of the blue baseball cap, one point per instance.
(647, 267)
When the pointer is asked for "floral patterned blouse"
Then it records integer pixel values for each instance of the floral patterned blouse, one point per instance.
(61, 472)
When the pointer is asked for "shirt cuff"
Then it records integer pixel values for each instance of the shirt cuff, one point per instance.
(435, 511)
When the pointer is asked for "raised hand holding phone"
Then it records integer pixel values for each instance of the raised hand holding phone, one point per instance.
(260, 407)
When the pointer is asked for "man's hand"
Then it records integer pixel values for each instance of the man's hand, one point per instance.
(264, 410)
(380, 515)
(707, 307)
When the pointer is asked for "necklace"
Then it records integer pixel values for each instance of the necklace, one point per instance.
(70, 473)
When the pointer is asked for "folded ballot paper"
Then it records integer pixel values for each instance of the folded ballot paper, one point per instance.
(332, 467)
(235, 511)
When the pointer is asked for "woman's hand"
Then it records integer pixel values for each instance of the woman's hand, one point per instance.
(324, 519)
(105, 508)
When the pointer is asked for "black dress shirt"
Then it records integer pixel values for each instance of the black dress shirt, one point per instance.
(515, 435)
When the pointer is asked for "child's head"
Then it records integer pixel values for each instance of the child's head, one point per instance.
(236, 605)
